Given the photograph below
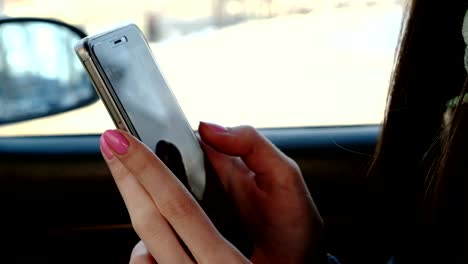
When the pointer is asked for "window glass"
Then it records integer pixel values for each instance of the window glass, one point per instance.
(268, 63)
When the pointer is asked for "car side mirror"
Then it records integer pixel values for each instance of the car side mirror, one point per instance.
(40, 74)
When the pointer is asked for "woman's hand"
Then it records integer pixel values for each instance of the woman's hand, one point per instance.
(267, 187)
(160, 207)
(269, 191)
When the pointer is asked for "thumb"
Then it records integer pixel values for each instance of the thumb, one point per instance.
(271, 167)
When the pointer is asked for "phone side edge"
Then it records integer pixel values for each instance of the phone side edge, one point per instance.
(81, 50)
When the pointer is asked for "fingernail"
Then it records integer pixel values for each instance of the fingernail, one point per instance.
(105, 148)
(116, 141)
(139, 250)
(214, 128)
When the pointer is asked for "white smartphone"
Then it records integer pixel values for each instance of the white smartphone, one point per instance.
(126, 76)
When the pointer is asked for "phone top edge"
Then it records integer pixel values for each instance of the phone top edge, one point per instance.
(82, 46)
(100, 37)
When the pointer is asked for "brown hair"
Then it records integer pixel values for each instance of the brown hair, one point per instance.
(415, 176)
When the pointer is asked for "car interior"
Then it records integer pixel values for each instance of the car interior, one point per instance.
(59, 201)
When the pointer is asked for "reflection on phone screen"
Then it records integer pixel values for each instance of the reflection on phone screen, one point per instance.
(140, 89)
(171, 157)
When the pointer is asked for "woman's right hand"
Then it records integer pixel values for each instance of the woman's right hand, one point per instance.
(269, 191)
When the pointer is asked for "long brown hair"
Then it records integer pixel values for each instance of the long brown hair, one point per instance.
(416, 176)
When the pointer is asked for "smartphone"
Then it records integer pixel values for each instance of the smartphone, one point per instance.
(128, 79)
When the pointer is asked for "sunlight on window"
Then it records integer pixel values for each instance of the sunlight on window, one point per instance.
(266, 63)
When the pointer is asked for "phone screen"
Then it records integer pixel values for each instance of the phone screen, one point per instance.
(139, 88)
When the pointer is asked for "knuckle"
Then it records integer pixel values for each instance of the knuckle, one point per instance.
(249, 138)
(140, 163)
(291, 173)
(249, 131)
(119, 173)
(177, 208)
(293, 166)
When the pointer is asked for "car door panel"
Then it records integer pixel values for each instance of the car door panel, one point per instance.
(60, 203)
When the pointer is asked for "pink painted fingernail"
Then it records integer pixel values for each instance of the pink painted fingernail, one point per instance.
(214, 128)
(116, 141)
(105, 148)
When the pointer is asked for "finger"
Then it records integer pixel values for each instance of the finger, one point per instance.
(149, 224)
(227, 167)
(234, 175)
(273, 169)
(141, 255)
(172, 199)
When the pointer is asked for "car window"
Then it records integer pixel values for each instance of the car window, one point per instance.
(268, 63)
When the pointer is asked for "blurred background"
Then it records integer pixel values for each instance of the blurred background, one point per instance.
(268, 63)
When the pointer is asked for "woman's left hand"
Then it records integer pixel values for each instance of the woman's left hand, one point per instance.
(161, 209)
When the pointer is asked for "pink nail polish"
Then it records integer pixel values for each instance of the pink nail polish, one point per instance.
(214, 128)
(116, 141)
(105, 148)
